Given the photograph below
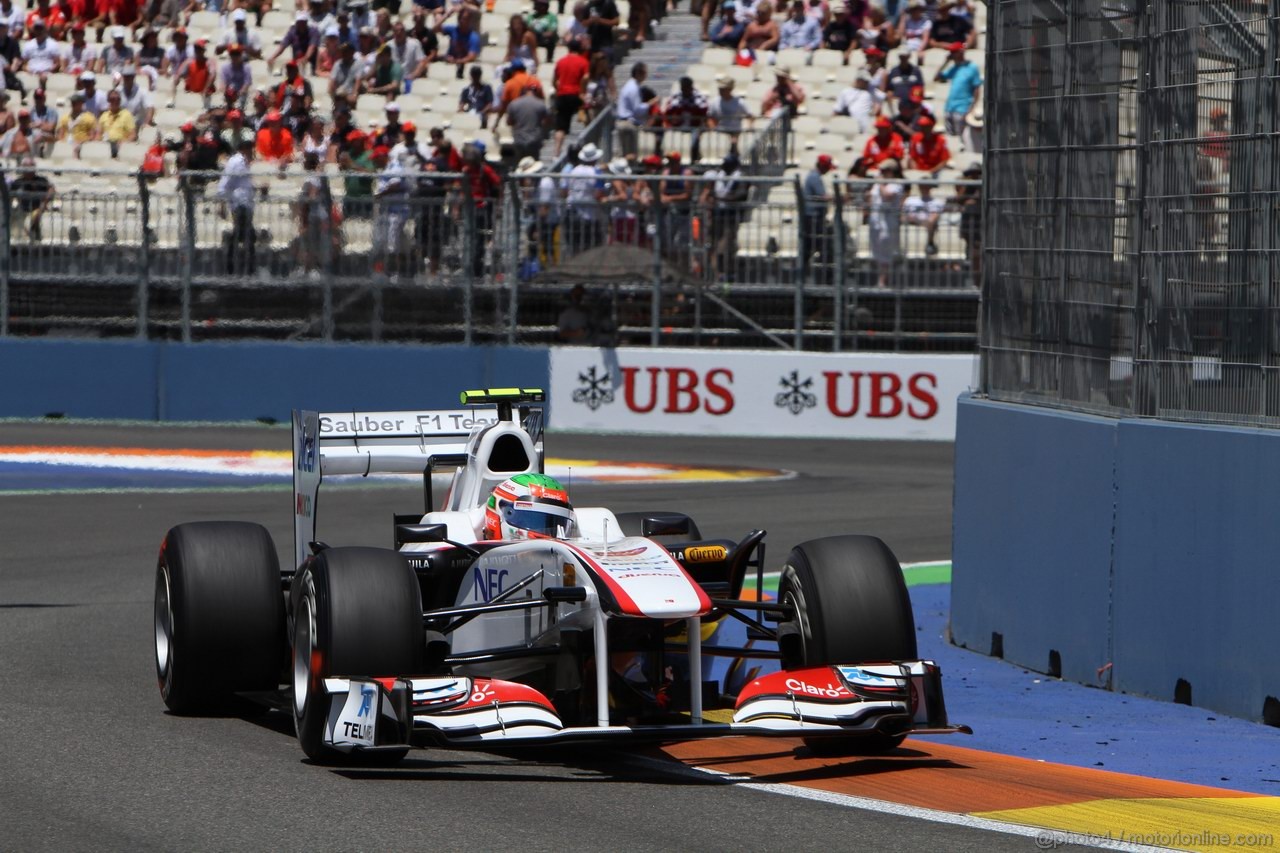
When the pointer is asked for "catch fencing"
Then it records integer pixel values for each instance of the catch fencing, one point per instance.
(675, 260)
(1131, 197)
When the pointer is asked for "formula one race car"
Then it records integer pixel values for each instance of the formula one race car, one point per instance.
(508, 616)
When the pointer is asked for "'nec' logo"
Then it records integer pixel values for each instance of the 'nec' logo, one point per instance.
(306, 451)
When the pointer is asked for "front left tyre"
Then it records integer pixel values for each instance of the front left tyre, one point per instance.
(219, 615)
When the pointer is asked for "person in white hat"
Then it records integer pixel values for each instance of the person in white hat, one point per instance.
(95, 101)
(914, 29)
(583, 193)
(302, 38)
(727, 111)
(115, 55)
(241, 34)
(858, 102)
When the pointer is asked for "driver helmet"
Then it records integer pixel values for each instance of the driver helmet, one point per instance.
(529, 506)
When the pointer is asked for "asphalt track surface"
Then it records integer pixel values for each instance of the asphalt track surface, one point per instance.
(92, 760)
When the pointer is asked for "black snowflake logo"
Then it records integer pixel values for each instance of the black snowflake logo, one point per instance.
(596, 391)
(797, 397)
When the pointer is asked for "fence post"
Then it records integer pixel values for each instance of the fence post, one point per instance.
(6, 217)
(655, 299)
(468, 261)
(144, 275)
(189, 259)
(513, 202)
(806, 265)
(837, 307)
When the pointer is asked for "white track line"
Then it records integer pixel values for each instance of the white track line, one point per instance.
(1045, 839)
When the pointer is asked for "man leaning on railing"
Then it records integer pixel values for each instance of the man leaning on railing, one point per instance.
(236, 191)
(33, 193)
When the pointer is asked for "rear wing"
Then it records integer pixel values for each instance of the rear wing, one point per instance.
(329, 444)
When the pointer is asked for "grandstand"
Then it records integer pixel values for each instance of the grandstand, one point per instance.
(168, 231)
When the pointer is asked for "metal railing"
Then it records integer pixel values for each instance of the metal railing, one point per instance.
(1131, 196)
(673, 260)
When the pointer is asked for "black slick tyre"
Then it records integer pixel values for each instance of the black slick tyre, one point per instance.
(356, 612)
(852, 606)
(219, 615)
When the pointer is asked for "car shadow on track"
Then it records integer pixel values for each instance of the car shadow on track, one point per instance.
(583, 764)
(504, 765)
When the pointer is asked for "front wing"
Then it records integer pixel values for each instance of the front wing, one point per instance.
(376, 713)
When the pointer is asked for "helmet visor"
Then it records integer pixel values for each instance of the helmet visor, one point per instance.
(545, 519)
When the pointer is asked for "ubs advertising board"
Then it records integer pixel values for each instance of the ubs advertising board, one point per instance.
(752, 393)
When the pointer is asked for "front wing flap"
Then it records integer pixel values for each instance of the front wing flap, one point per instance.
(373, 713)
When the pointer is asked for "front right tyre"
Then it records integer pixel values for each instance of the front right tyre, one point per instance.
(356, 612)
(852, 606)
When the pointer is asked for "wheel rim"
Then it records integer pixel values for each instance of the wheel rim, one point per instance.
(303, 649)
(164, 628)
(793, 594)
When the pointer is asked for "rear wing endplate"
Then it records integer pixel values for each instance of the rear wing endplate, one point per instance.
(364, 443)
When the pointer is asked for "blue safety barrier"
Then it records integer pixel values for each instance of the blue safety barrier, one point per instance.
(1133, 554)
(246, 381)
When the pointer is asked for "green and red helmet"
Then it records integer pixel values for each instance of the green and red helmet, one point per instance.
(529, 506)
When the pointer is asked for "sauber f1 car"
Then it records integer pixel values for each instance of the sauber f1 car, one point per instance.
(507, 616)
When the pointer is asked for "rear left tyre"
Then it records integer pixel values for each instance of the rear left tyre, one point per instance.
(852, 606)
(218, 615)
(356, 612)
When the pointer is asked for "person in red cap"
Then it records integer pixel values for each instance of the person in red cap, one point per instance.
(814, 236)
(965, 92)
(16, 143)
(275, 142)
(928, 150)
(1217, 146)
(885, 145)
(235, 131)
(357, 164)
(196, 74)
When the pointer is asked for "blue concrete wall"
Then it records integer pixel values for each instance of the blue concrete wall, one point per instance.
(223, 382)
(1197, 585)
(1032, 493)
(1145, 544)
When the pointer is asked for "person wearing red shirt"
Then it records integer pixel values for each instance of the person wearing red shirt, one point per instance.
(52, 16)
(442, 149)
(485, 187)
(275, 142)
(885, 145)
(928, 150)
(196, 73)
(570, 73)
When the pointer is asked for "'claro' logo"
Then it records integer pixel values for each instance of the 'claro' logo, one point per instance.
(844, 394)
(831, 691)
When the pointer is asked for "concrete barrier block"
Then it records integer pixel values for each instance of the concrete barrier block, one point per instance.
(1197, 584)
(1033, 514)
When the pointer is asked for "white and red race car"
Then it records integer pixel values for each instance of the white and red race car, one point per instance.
(608, 627)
